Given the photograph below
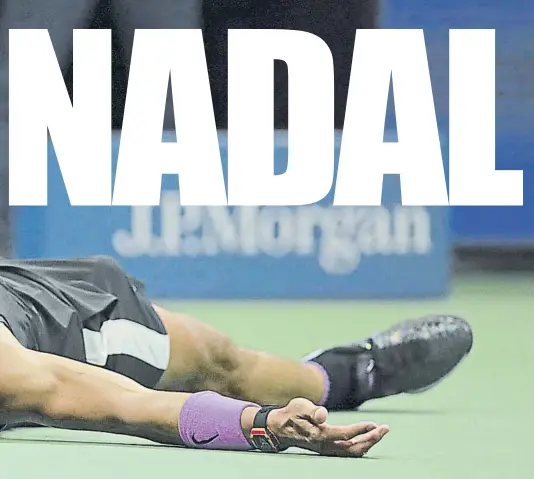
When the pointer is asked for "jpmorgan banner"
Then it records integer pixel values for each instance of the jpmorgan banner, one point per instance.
(315, 251)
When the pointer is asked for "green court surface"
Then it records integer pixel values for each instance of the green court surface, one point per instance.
(477, 424)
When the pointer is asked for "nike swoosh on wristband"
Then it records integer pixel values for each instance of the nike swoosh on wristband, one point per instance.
(203, 442)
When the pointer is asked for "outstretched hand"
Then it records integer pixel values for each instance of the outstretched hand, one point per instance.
(303, 424)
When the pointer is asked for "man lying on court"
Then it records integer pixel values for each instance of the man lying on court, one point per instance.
(171, 379)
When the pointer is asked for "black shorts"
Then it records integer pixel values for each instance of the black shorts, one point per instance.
(90, 310)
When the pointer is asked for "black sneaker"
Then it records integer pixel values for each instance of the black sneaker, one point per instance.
(410, 357)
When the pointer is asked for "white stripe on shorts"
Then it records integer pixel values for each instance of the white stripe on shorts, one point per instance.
(121, 336)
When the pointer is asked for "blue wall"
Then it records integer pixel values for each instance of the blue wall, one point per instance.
(312, 252)
(381, 252)
(514, 24)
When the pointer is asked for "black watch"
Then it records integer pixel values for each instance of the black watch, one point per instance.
(261, 436)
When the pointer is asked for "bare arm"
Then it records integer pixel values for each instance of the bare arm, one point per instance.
(54, 391)
(67, 394)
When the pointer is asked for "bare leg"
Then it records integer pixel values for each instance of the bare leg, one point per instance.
(205, 359)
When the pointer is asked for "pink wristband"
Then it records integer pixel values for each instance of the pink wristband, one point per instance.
(211, 421)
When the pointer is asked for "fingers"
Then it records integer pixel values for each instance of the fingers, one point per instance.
(360, 445)
(305, 426)
(353, 441)
(361, 448)
(365, 436)
(304, 409)
(319, 416)
(307, 430)
(345, 433)
(316, 417)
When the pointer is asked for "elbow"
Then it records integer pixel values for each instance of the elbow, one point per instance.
(60, 402)
(27, 385)
(29, 395)
(69, 402)
(52, 407)
(44, 395)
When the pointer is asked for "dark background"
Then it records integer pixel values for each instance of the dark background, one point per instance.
(334, 21)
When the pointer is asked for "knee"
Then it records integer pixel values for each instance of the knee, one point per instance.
(222, 358)
(224, 368)
(202, 358)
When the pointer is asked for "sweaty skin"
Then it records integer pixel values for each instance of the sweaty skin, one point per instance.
(59, 392)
